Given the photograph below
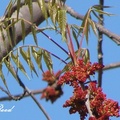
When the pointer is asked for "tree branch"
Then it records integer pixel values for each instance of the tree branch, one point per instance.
(6, 98)
(100, 40)
(111, 66)
(11, 97)
(100, 28)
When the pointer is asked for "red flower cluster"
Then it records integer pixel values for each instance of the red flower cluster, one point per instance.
(77, 102)
(99, 107)
(80, 72)
(52, 91)
(51, 77)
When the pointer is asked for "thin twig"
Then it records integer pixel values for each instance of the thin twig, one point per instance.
(6, 98)
(112, 66)
(49, 38)
(18, 97)
(100, 39)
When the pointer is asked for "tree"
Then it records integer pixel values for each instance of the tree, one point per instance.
(23, 17)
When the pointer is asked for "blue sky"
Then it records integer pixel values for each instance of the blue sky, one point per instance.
(26, 108)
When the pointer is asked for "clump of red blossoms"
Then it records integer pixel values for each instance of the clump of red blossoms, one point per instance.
(87, 97)
(79, 72)
(51, 77)
(101, 107)
(53, 91)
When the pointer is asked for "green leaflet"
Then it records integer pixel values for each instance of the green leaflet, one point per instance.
(18, 8)
(75, 36)
(93, 26)
(27, 58)
(34, 35)
(23, 31)
(48, 60)
(18, 63)
(10, 68)
(62, 22)
(53, 12)
(3, 78)
(43, 9)
(37, 56)
(29, 2)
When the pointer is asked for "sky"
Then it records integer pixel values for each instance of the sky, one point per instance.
(26, 109)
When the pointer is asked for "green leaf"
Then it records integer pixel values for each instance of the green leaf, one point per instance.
(85, 26)
(93, 26)
(75, 37)
(10, 68)
(67, 67)
(18, 7)
(34, 35)
(29, 2)
(13, 29)
(8, 9)
(62, 22)
(23, 31)
(43, 9)
(23, 53)
(37, 56)
(53, 12)
(48, 60)
(19, 65)
(30, 63)
(27, 58)
(3, 78)
(87, 30)
(103, 12)
(86, 56)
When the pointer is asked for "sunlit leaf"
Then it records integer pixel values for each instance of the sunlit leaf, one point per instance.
(18, 7)
(86, 56)
(3, 78)
(19, 65)
(75, 37)
(23, 31)
(62, 22)
(103, 12)
(48, 60)
(44, 10)
(10, 68)
(37, 56)
(34, 35)
(24, 54)
(27, 58)
(53, 12)
(67, 67)
(93, 26)
(29, 61)
(29, 2)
